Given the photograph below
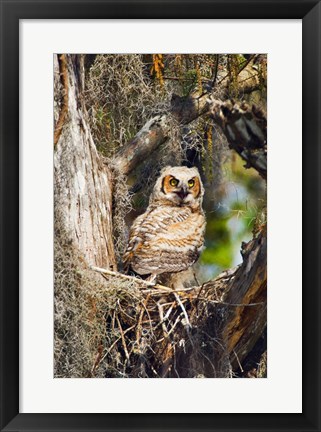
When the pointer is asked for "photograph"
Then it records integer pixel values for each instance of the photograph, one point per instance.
(160, 215)
(160, 205)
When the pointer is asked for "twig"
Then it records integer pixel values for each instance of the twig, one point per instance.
(114, 343)
(131, 278)
(216, 70)
(183, 309)
(167, 313)
(178, 319)
(118, 339)
(139, 325)
(161, 315)
(169, 290)
(229, 304)
(243, 66)
(122, 338)
(126, 314)
(246, 62)
(97, 359)
(238, 361)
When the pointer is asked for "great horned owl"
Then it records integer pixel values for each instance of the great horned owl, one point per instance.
(169, 236)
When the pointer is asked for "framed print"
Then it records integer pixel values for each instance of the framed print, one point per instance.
(156, 164)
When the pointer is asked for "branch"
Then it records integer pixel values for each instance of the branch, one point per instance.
(149, 138)
(131, 278)
(155, 131)
(184, 110)
(245, 128)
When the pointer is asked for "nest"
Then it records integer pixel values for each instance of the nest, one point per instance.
(159, 332)
(111, 325)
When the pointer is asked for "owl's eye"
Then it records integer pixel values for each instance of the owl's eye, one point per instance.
(173, 182)
(191, 183)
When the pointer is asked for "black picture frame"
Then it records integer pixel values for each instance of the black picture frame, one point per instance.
(11, 12)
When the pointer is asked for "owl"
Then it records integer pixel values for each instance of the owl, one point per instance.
(169, 236)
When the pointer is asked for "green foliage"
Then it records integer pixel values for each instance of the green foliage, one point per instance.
(233, 219)
(189, 81)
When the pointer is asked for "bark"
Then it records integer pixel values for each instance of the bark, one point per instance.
(83, 184)
(245, 286)
(148, 139)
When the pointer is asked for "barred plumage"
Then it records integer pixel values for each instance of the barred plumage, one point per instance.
(169, 236)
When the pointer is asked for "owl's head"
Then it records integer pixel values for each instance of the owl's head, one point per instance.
(179, 186)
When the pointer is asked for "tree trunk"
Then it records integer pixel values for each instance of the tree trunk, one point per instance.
(83, 184)
(244, 294)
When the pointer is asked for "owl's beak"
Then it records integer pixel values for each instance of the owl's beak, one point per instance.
(182, 193)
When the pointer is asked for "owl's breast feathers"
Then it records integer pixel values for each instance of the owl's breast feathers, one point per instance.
(165, 239)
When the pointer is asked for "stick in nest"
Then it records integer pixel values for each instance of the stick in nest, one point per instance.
(131, 278)
(122, 338)
(179, 301)
(161, 315)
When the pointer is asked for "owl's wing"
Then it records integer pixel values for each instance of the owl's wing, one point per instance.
(136, 240)
(163, 230)
(144, 226)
